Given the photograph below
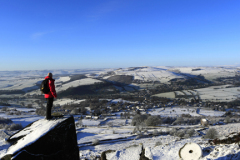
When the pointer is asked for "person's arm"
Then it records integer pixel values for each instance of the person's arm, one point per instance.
(52, 89)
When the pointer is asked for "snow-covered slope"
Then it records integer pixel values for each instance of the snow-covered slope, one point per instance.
(209, 73)
(29, 80)
(81, 82)
(164, 74)
(146, 74)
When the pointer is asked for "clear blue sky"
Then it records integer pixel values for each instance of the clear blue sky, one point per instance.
(75, 34)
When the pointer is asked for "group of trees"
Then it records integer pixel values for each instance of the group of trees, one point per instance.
(125, 115)
(7, 124)
(4, 104)
(146, 119)
(12, 92)
(182, 133)
(189, 120)
(96, 89)
(211, 134)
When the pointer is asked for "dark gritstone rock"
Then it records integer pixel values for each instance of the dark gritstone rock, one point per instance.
(58, 143)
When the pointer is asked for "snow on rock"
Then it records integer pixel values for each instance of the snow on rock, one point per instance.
(190, 151)
(131, 153)
(148, 153)
(55, 139)
(41, 127)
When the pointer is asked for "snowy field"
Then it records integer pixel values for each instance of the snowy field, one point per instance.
(206, 112)
(67, 101)
(28, 81)
(164, 74)
(219, 93)
(11, 75)
(81, 82)
(170, 146)
(62, 79)
(166, 95)
(173, 112)
(177, 111)
(223, 93)
(20, 84)
(84, 137)
(209, 73)
(61, 87)
(148, 74)
(116, 134)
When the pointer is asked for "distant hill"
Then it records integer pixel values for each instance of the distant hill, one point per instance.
(121, 79)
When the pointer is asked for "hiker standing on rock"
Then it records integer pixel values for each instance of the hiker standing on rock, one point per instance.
(50, 95)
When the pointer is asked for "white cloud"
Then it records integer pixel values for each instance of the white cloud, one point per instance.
(38, 35)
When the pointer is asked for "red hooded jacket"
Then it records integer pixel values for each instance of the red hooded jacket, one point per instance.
(52, 92)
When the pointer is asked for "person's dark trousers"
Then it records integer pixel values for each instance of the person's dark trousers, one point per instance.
(49, 107)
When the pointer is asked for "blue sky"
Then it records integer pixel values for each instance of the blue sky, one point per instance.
(75, 34)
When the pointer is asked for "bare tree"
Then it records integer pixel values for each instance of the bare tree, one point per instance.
(211, 134)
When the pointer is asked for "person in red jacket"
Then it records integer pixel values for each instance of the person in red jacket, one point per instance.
(50, 96)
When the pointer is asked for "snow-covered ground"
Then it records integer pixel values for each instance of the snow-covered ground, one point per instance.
(170, 146)
(117, 136)
(164, 74)
(26, 121)
(118, 131)
(219, 93)
(29, 81)
(223, 93)
(62, 79)
(76, 83)
(61, 87)
(67, 101)
(148, 74)
(177, 111)
(12, 75)
(209, 73)
(20, 84)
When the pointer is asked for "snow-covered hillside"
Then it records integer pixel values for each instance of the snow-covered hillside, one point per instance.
(221, 93)
(28, 81)
(81, 82)
(164, 74)
(209, 73)
(146, 74)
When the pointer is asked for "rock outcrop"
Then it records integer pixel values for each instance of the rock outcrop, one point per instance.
(135, 152)
(45, 140)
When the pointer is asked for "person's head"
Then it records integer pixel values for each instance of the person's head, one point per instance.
(50, 75)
